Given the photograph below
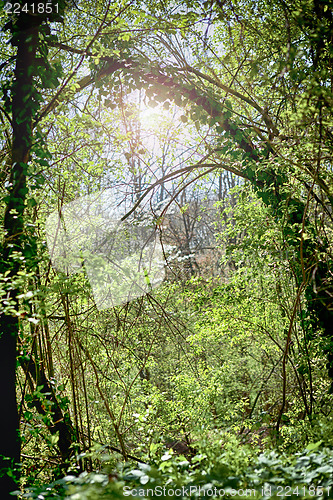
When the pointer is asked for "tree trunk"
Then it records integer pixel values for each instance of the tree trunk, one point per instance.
(24, 105)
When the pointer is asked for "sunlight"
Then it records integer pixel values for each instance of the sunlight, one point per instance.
(158, 117)
(159, 123)
(151, 117)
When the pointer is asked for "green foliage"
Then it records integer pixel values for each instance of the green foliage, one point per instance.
(226, 469)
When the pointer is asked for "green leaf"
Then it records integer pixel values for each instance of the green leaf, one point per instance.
(313, 446)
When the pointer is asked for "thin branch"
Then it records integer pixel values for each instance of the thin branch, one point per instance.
(174, 175)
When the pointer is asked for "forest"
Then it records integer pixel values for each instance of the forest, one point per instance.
(166, 262)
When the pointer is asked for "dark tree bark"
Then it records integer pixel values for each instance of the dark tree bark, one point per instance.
(24, 105)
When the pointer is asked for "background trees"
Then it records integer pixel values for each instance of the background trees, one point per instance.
(239, 93)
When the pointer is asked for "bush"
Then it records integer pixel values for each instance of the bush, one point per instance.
(235, 471)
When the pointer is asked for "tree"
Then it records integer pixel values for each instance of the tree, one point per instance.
(18, 247)
(25, 37)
